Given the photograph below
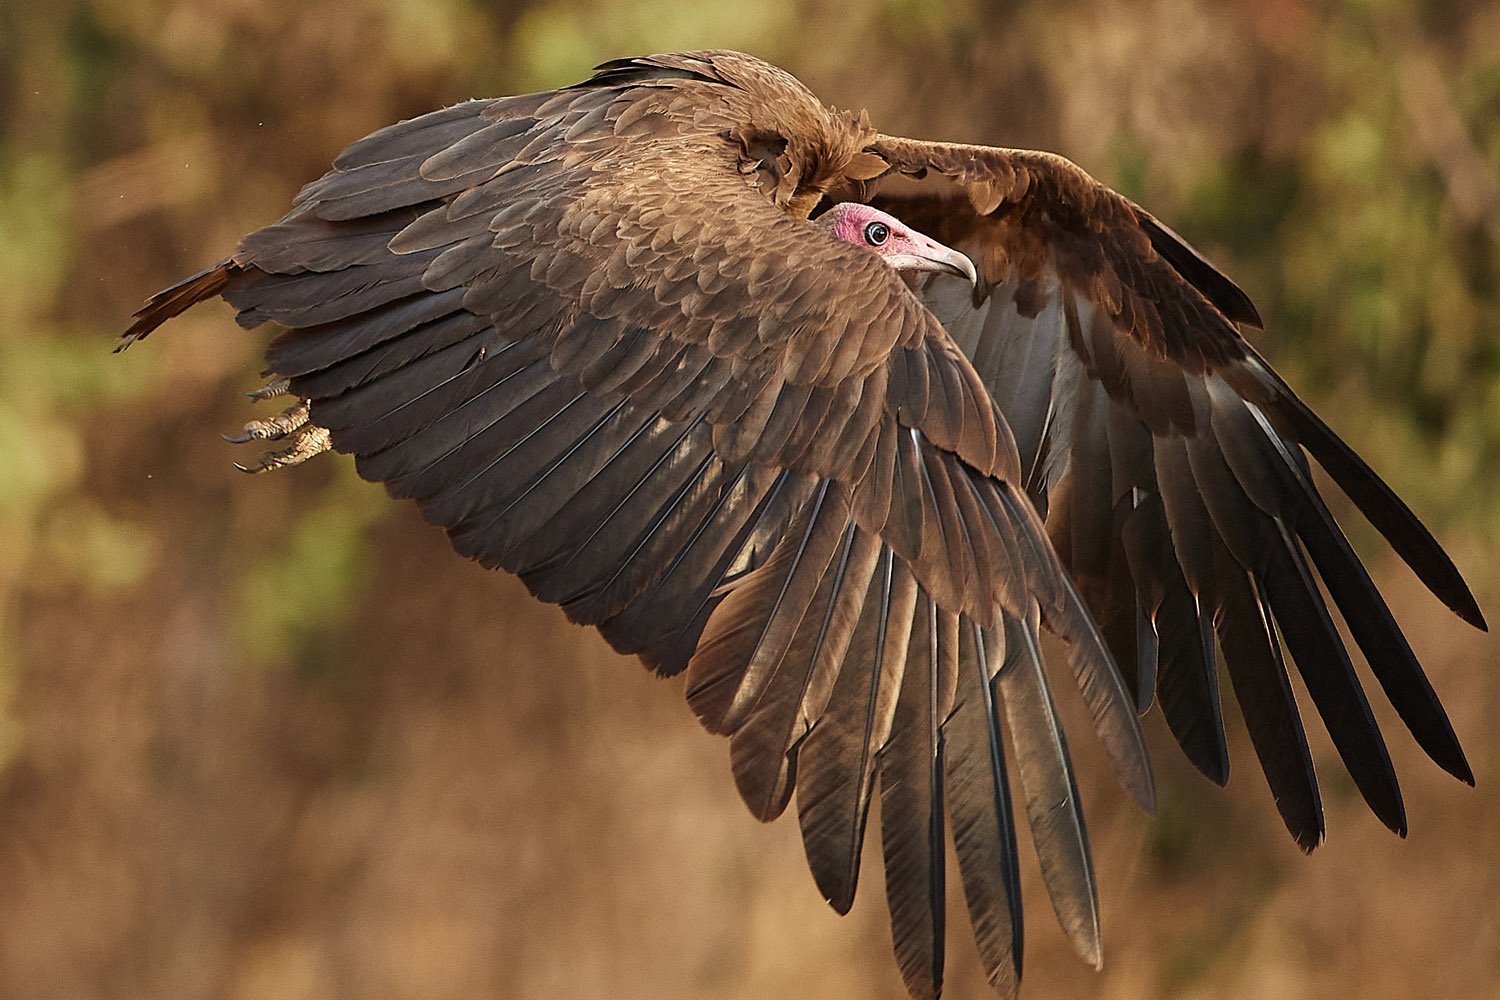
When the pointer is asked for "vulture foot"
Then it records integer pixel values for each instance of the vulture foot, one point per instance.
(274, 428)
(309, 440)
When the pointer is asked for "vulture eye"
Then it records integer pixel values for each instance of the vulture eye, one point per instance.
(876, 233)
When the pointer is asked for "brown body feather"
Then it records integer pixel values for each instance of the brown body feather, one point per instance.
(592, 333)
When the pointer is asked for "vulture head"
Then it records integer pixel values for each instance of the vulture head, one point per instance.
(903, 248)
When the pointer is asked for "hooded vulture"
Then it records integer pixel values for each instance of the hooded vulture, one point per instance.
(835, 424)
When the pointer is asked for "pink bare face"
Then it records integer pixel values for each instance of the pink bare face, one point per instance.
(903, 248)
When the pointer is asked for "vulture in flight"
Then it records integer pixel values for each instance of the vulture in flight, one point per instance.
(835, 424)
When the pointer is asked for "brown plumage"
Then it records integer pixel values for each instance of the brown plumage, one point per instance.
(594, 335)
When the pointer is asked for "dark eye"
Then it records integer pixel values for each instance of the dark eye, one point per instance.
(876, 233)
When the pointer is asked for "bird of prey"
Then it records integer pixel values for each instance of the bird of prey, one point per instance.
(835, 424)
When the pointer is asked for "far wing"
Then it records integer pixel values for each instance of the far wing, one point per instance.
(1171, 463)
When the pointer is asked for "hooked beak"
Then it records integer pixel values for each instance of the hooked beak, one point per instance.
(929, 255)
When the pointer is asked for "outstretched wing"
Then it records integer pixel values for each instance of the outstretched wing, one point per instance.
(1171, 463)
(587, 332)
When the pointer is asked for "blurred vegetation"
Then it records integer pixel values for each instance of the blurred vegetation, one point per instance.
(210, 685)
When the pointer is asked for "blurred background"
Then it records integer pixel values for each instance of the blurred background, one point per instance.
(267, 737)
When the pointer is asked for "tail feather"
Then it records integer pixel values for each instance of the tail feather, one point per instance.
(173, 301)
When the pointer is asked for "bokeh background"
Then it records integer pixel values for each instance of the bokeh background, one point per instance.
(267, 738)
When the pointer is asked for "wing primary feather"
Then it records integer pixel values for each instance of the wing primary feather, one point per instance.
(764, 710)
(1265, 542)
(911, 813)
(857, 564)
(907, 522)
(1147, 657)
(957, 583)
(1086, 516)
(836, 762)
(809, 561)
(1052, 805)
(1305, 625)
(750, 633)
(794, 700)
(1110, 705)
(1390, 516)
(1258, 677)
(1189, 681)
(984, 833)
(1385, 646)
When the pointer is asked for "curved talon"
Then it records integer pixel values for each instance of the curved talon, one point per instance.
(274, 428)
(309, 441)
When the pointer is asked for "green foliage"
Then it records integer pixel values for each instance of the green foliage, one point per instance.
(291, 595)
(560, 43)
(35, 239)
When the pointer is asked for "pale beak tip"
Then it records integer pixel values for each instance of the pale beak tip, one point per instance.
(966, 268)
